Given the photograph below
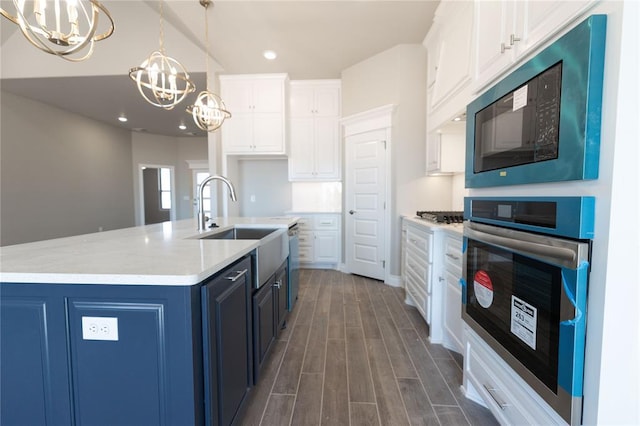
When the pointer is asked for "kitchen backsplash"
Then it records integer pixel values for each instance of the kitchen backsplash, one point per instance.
(316, 196)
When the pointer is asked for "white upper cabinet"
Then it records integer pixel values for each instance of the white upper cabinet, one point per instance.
(314, 130)
(445, 152)
(453, 50)
(506, 31)
(257, 105)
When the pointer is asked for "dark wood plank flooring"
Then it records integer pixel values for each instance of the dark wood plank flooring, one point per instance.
(354, 354)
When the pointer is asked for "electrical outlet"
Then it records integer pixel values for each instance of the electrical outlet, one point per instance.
(100, 328)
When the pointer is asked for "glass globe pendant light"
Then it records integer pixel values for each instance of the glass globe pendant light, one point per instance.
(162, 80)
(66, 28)
(208, 111)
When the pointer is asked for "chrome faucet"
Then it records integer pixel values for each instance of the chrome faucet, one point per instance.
(202, 220)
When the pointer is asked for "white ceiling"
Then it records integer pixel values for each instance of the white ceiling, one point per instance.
(313, 39)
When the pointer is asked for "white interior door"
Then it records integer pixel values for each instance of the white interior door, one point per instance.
(365, 203)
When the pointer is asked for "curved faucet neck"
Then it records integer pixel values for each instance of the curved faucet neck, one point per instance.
(202, 221)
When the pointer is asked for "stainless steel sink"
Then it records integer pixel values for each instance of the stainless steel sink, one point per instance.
(240, 234)
(272, 251)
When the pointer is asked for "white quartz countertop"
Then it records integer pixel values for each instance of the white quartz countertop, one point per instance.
(454, 229)
(168, 253)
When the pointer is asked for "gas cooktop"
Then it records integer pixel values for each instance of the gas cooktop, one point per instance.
(447, 217)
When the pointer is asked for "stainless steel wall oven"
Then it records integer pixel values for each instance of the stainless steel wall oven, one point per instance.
(525, 278)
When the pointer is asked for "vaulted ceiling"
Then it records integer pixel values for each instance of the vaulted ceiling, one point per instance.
(313, 39)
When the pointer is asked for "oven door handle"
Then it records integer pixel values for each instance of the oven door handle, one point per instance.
(554, 251)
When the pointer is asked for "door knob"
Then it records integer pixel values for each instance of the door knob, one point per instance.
(352, 211)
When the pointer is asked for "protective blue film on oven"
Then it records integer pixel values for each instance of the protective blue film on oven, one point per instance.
(463, 281)
(572, 331)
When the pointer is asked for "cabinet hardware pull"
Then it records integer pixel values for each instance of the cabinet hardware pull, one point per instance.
(494, 395)
(452, 256)
(513, 39)
(236, 277)
(504, 47)
(278, 284)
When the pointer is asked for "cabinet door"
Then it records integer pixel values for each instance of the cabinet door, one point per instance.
(327, 102)
(433, 152)
(268, 95)
(237, 95)
(263, 324)
(326, 246)
(237, 134)
(453, 312)
(301, 101)
(494, 22)
(281, 289)
(268, 133)
(327, 149)
(539, 20)
(227, 342)
(454, 62)
(301, 154)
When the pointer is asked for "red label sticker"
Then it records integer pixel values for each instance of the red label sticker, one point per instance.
(483, 288)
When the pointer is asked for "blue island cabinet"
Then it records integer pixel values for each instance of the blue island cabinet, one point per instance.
(152, 373)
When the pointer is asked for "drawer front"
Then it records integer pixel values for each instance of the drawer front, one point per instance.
(305, 223)
(453, 256)
(493, 391)
(326, 222)
(419, 300)
(420, 241)
(421, 271)
(306, 254)
(305, 239)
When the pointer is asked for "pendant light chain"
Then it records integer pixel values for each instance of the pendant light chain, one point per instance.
(206, 41)
(161, 29)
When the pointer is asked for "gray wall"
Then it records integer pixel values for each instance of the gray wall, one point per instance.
(61, 174)
(267, 181)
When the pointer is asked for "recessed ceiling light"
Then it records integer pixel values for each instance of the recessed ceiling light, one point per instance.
(122, 118)
(182, 127)
(269, 54)
(457, 119)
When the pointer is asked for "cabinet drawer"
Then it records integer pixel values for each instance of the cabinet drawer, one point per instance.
(418, 299)
(306, 254)
(420, 241)
(453, 255)
(493, 391)
(326, 222)
(305, 239)
(305, 223)
(421, 271)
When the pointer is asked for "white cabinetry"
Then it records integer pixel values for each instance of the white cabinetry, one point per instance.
(449, 61)
(315, 130)
(445, 152)
(506, 31)
(258, 105)
(319, 239)
(418, 263)
(452, 313)
(488, 380)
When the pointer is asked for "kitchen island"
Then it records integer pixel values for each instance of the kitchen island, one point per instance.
(145, 325)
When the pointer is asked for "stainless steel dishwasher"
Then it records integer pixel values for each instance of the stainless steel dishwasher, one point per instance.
(294, 266)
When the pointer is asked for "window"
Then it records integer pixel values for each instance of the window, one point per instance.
(200, 176)
(165, 188)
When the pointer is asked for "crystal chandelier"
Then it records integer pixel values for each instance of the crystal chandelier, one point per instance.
(66, 28)
(208, 111)
(162, 81)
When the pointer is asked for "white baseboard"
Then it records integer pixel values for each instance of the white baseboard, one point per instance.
(394, 280)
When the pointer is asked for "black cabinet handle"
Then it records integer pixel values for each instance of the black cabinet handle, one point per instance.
(235, 278)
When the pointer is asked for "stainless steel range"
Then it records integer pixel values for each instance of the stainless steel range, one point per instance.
(447, 217)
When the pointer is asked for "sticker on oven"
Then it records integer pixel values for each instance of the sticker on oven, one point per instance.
(524, 321)
(483, 288)
(520, 97)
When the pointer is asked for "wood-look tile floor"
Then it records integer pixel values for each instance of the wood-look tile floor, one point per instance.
(354, 354)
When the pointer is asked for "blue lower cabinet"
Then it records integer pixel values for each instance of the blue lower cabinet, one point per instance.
(34, 385)
(228, 361)
(58, 369)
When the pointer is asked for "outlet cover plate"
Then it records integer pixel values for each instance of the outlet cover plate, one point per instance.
(100, 328)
